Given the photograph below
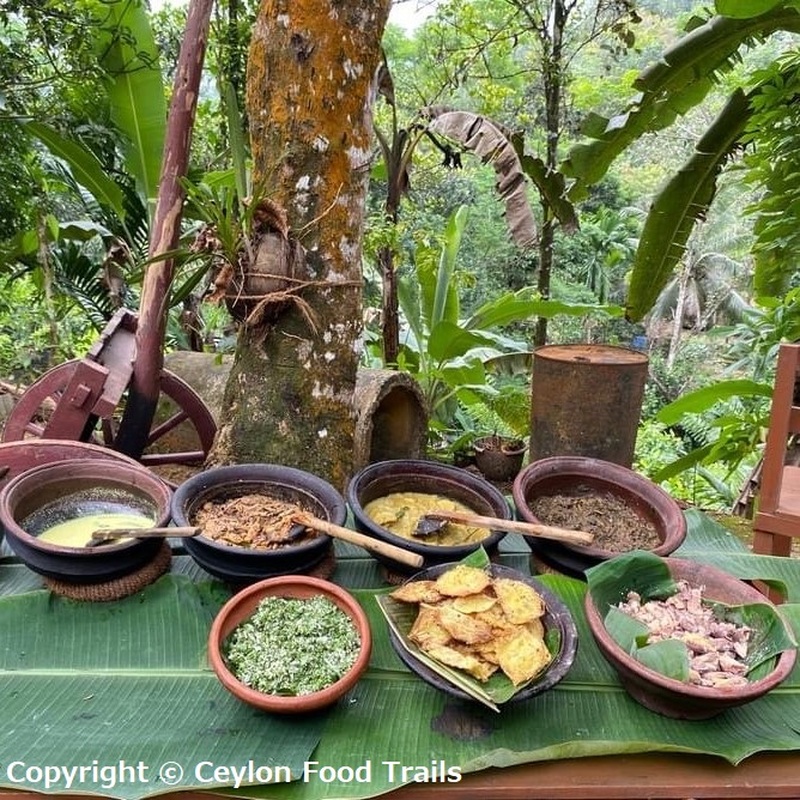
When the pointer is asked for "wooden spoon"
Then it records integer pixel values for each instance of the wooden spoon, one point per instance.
(433, 521)
(106, 535)
(367, 542)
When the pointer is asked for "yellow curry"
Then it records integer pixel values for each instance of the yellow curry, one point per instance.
(400, 512)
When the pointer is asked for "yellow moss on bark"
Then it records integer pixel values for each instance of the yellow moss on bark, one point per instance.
(309, 99)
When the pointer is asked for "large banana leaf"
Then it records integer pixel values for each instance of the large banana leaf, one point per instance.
(683, 201)
(128, 681)
(127, 50)
(86, 169)
(678, 81)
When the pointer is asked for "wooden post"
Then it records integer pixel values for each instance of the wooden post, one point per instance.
(145, 385)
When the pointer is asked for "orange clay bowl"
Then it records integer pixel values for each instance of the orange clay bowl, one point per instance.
(242, 605)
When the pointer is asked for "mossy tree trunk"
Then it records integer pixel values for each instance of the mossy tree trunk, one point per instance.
(290, 395)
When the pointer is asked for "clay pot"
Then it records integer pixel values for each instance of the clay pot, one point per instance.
(244, 565)
(241, 607)
(499, 458)
(429, 477)
(671, 697)
(564, 475)
(63, 490)
(28, 453)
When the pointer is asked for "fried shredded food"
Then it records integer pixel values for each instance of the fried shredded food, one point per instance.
(257, 521)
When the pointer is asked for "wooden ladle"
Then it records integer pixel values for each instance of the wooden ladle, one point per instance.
(107, 535)
(367, 542)
(434, 521)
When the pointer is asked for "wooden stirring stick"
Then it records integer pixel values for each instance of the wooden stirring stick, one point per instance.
(495, 523)
(109, 534)
(367, 542)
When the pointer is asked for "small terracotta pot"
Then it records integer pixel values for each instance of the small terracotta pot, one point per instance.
(498, 458)
(242, 606)
(671, 697)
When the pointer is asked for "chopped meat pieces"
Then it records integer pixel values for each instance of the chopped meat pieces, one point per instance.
(717, 648)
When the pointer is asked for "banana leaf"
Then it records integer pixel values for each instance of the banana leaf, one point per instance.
(86, 168)
(128, 681)
(648, 576)
(127, 50)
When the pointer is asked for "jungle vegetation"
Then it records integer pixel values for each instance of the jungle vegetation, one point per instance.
(645, 195)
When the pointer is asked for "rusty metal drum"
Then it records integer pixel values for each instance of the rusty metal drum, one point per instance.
(586, 401)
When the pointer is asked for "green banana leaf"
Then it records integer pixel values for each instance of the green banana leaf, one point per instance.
(705, 398)
(128, 681)
(673, 84)
(87, 170)
(685, 199)
(127, 50)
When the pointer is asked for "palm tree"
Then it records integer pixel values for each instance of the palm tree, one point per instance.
(701, 294)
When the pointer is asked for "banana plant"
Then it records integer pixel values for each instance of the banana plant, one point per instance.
(126, 50)
(452, 358)
(450, 130)
(678, 81)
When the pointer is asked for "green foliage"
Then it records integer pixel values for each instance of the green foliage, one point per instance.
(679, 205)
(18, 196)
(754, 342)
(774, 130)
(471, 371)
(709, 486)
(27, 347)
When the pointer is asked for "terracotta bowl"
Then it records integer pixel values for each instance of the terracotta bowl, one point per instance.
(241, 607)
(431, 477)
(62, 490)
(243, 565)
(556, 616)
(570, 475)
(673, 698)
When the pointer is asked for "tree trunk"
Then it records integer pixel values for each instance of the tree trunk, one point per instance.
(677, 326)
(552, 40)
(289, 399)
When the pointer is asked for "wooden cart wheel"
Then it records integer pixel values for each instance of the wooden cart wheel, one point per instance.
(188, 419)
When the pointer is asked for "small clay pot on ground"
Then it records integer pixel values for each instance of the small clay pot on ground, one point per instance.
(499, 458)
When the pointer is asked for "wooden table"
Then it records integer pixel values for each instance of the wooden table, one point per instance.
(636, 777)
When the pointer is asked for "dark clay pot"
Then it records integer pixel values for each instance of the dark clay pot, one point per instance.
(243, 565)
(557, 618)
(431, 477)
(62, 490)
(563, 475)
(671, 697)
